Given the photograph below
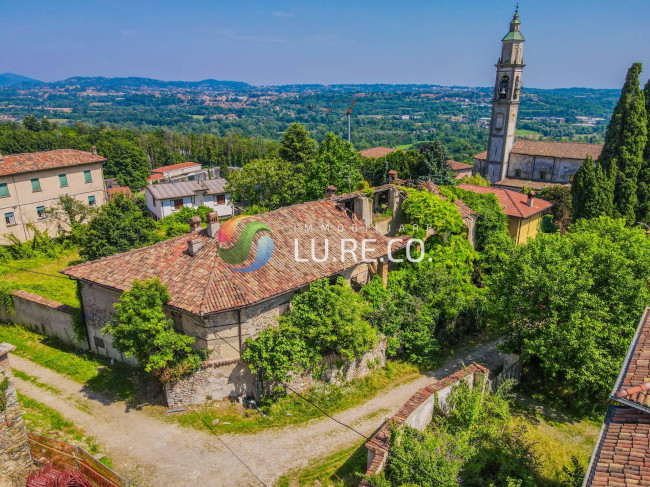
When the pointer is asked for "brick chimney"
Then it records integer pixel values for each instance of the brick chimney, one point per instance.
(194, 245)
(392, 176)
(195, 223)
(330, 191)
(531, 198)
(94, 149)
(213, 224)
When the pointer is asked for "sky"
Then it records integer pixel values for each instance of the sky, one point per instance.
(586, 43)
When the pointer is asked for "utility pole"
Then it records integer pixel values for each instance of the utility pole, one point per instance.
(354, 100)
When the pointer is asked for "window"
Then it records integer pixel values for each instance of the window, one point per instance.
(178, 204)
(63, 180)
(91, 201)
(499, 121)
(36, 184)
(9, 219)
(4, 190)
(518, 173)
(40, 211)
(542, 175)
(221, 199)
(88, 177)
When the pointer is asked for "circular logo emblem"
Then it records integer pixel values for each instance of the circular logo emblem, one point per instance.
(241, 249)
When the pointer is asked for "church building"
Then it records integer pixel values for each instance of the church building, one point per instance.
(523, 163)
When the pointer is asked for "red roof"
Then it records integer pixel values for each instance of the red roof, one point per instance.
(155, 176)
(119, 189)
(548, 148)
(622, 455)
(203, 284)
(39, 161)
(458, 166)
(513, 203)
(173, 167)
(377, 152)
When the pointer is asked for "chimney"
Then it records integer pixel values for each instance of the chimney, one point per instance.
(392, 176)
(94, 149)
(330, 191)
(195, 223)
(213, 224)
(194, 245)
(531, 198)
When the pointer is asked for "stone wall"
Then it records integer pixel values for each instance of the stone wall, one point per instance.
(15, 456)
(232, 378)
(418, 411)
(43, 315)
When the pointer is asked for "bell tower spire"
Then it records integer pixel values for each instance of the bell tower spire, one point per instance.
(505, 103)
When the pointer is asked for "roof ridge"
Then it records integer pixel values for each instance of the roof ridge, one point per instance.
(515, 203)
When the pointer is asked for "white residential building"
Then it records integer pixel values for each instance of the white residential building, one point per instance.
(167, 198)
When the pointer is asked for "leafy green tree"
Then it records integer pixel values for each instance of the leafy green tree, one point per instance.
(562, 209)
(140, 329)
(126, 161)
(406, 163)
(434, 164)
(475, 179)
(325, 319)
(70, 213)
(297, 147)
(117, 227)
(592, 191)
(625, 141)
(31, 123)
(270, 183)
(569, 304)
(337, 163)
(45, 124)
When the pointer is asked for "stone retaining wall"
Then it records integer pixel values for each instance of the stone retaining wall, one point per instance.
(15, 457)
(232, 378)
(418, 411)
(43, 315)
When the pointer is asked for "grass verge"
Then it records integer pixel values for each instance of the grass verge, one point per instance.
(341, 469)
(58, 289)
(227, 417)
(45, 421)
(118, 381)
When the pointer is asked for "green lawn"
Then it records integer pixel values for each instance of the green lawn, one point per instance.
(404, 147)
(118, 381)
(528, 133)
(233, 418)
(45, 421)
(59, 289)
(341, 469)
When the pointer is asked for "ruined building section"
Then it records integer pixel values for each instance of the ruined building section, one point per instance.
(15, 456)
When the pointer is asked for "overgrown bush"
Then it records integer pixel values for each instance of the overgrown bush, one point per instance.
(325, 319)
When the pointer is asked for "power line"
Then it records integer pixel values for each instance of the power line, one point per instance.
(34, 272)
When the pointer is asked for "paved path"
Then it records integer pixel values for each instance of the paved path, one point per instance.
(158, 453)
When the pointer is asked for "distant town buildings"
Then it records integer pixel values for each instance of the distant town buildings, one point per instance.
(167, 198)
(32, 182)
(525, 163)
(184, 171)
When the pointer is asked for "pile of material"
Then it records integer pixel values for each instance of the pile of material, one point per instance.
(48, 476)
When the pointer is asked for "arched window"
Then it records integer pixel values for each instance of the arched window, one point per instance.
(515, 92)
(503, 86)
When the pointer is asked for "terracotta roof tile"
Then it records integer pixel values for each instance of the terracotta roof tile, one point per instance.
(204, 284)
(622, 455)
(173, 167)
(377, 152)
(155, 176)
(458, 166)
(513, 203)
(39, 161)
(561, 150)
(481, 156)
(119, 189)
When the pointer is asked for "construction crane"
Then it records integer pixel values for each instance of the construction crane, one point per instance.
(348, 113)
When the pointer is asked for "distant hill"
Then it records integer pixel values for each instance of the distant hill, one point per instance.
(135, 82)
(8, 79)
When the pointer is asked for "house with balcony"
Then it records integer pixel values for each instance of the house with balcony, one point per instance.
(167, 198)
(32, 182)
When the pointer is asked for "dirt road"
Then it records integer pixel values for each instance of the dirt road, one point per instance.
(156, 453)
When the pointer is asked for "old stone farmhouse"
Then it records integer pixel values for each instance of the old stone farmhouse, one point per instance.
(216, 303)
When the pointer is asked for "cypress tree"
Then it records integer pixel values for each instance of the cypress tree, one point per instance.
(592, 191)
(643, 182)
(625, 141)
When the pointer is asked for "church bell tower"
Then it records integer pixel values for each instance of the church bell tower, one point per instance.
(505, 103)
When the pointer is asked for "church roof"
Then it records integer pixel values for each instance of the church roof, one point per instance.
(514, 36)
(561, 150)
